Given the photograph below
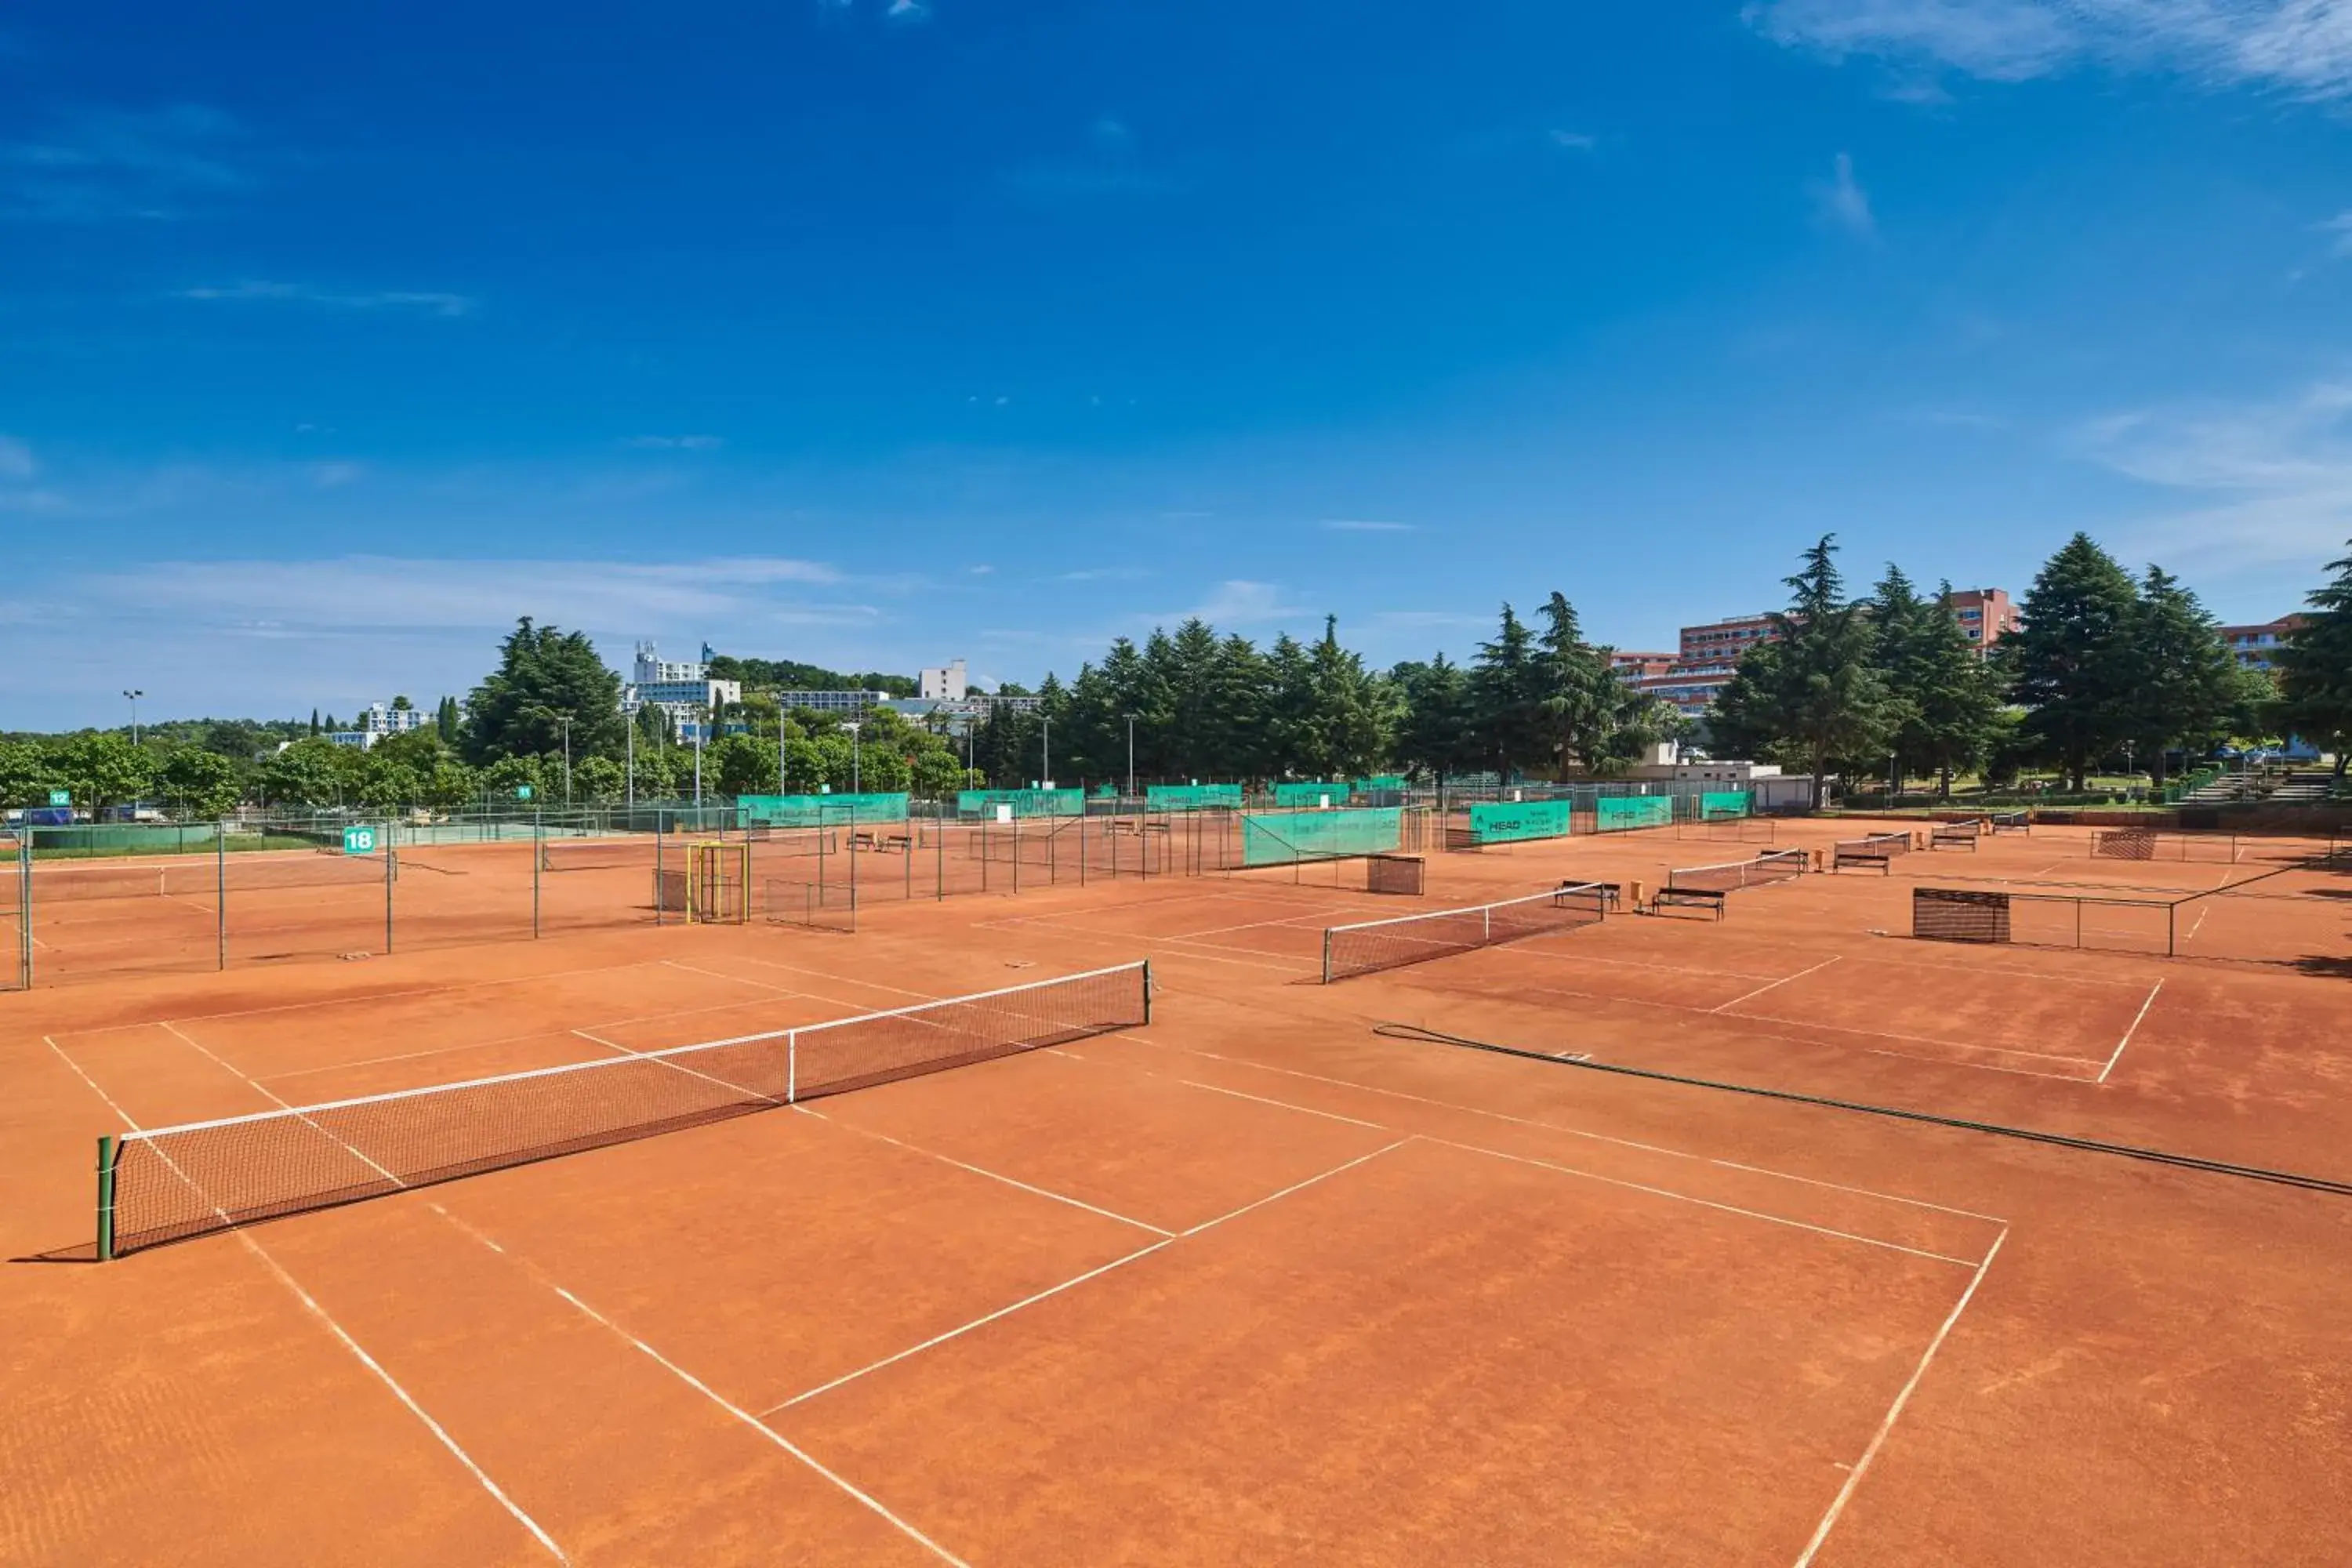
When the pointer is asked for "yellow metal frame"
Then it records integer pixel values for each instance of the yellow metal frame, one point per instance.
(718, 883)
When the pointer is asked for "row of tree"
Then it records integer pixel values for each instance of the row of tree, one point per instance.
(2105, 666)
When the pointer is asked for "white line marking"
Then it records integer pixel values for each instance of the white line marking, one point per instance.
(1296, 1186)
(1703, 1202)
(1279, 1104)
(440, 1432)
(253, 1084)
(1878, 1439)
(737, 1411)
(2127, 1040)
(980, 1171)
(976, 1324)
(1776, 985)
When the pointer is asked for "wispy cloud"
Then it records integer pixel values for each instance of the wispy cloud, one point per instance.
(1102, 574)
(2340, 225)
(675, 443)
(1364, 525)
(252, 290)
(2299, 46)
(2257, 485)
(908, 11)
(1573, 140)
(98, 165)
(1842, 203)
(15, 459)
(1240, 603)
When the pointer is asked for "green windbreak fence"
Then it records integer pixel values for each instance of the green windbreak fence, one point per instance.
(1023, 802)
(1312, 792)
(1515, 822)
(1378, 782)
(1284, 839)
(820, 810)
(1191, 797)
(1616, 813)
(1713, 805)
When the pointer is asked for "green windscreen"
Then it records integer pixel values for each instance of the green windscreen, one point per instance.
(1379, 781)
(1715, 804)
(1280, 839)
(1311, 793)
(820, 810)
(1023, 802)
(1191, 797)
(1512, 822)
(1616, 813)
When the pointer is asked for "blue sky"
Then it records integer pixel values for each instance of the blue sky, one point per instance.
(875, 333)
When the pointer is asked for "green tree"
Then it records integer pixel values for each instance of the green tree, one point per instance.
(1943, 696)
(308, 773)
(446, 723)
(25, 773)
(1436, 734)
(2314, 667)
(544, 678)
(740, 764)
(2072, 663)
(1349, 721)
(501, 780)
(598, 779)
(102, 769)
(199, 783)
(1811, 694)
(2186, 690)
(1507, 691)
(1578, 698)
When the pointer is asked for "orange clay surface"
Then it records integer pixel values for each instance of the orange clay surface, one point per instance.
(1251, 1285)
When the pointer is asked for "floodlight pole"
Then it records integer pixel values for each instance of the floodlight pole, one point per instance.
(856, 782)
(134, 695)
(567, 761)
(1046, 777)
(702, 723)
(629, 750)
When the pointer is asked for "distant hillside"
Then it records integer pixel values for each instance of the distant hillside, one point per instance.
(790, 674)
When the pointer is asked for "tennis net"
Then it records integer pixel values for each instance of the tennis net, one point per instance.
(1874, 845)
(1372, 945)
(1729, 876)
(167, 1183)
(630, 853)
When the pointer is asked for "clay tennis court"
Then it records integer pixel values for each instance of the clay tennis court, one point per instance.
(1264, 1280)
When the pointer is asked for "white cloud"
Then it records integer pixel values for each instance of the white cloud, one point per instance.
(15, 459)
(1240, 603)
(1842, 203)
(2258, 485)
(675, 443)
(908, 11)
(97, 165)
(423, 302)
(2299, 47)
(1365, 525)
(2340, 225)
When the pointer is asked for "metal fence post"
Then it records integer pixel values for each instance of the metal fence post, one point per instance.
(220, 895)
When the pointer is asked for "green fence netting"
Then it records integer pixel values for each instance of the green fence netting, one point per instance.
(1616, 813)
(1023, 802)
(1512, 822)
(820, 810)
(1378, 782)
(1311, 791)
(1716, 805)
(1191, 797)
(1282, 839)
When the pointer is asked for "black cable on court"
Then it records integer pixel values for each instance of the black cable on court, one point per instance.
(2028, 1134)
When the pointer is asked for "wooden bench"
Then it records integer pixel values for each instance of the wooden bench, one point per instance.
(1612, 894)
(881, 843)
(1691, 898)
(1881, 859)
(1956, 836)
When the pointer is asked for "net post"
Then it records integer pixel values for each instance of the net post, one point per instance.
(791, 1066)
(1147, 993)
(107, 1148)
(220, 895)
(660, 902)
(390, 872)
(538, 869)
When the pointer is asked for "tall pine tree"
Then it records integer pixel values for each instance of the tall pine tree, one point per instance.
(2314, 667)
(1817, 694)
(2185, 691)
(1507, 687)
(2072, 663)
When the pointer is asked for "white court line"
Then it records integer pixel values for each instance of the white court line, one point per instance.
(981, 1171)
(1312, 918)
(1095, 1273)
(1582, 956)
(2127, 1040)
(1516, 1121)
(310, 1303)
(1955, 1062)
(1776, 985)
(1703, 1202)
(1027, 922)
(372, 998)
(1280, 1104)
(786, 989)
(821, 974)
(737, 1411)
(675, 1065)
(2198, 926)
(961, 1330)
(1895, 1412)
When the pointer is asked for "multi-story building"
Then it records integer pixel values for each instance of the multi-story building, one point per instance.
(1692, 678)
(684, 691)
(945, 683)
(850, 703)
(376, 722)
(2256, 646)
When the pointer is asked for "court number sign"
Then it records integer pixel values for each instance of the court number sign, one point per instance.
(359, 840)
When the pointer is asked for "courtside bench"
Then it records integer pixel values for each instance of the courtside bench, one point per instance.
(1956, 836)
(1710, 899)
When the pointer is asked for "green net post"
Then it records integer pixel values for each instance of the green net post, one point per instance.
(1147, 993)
(390, 872)
(220, 898)
(107, 1149)
(539, 867)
